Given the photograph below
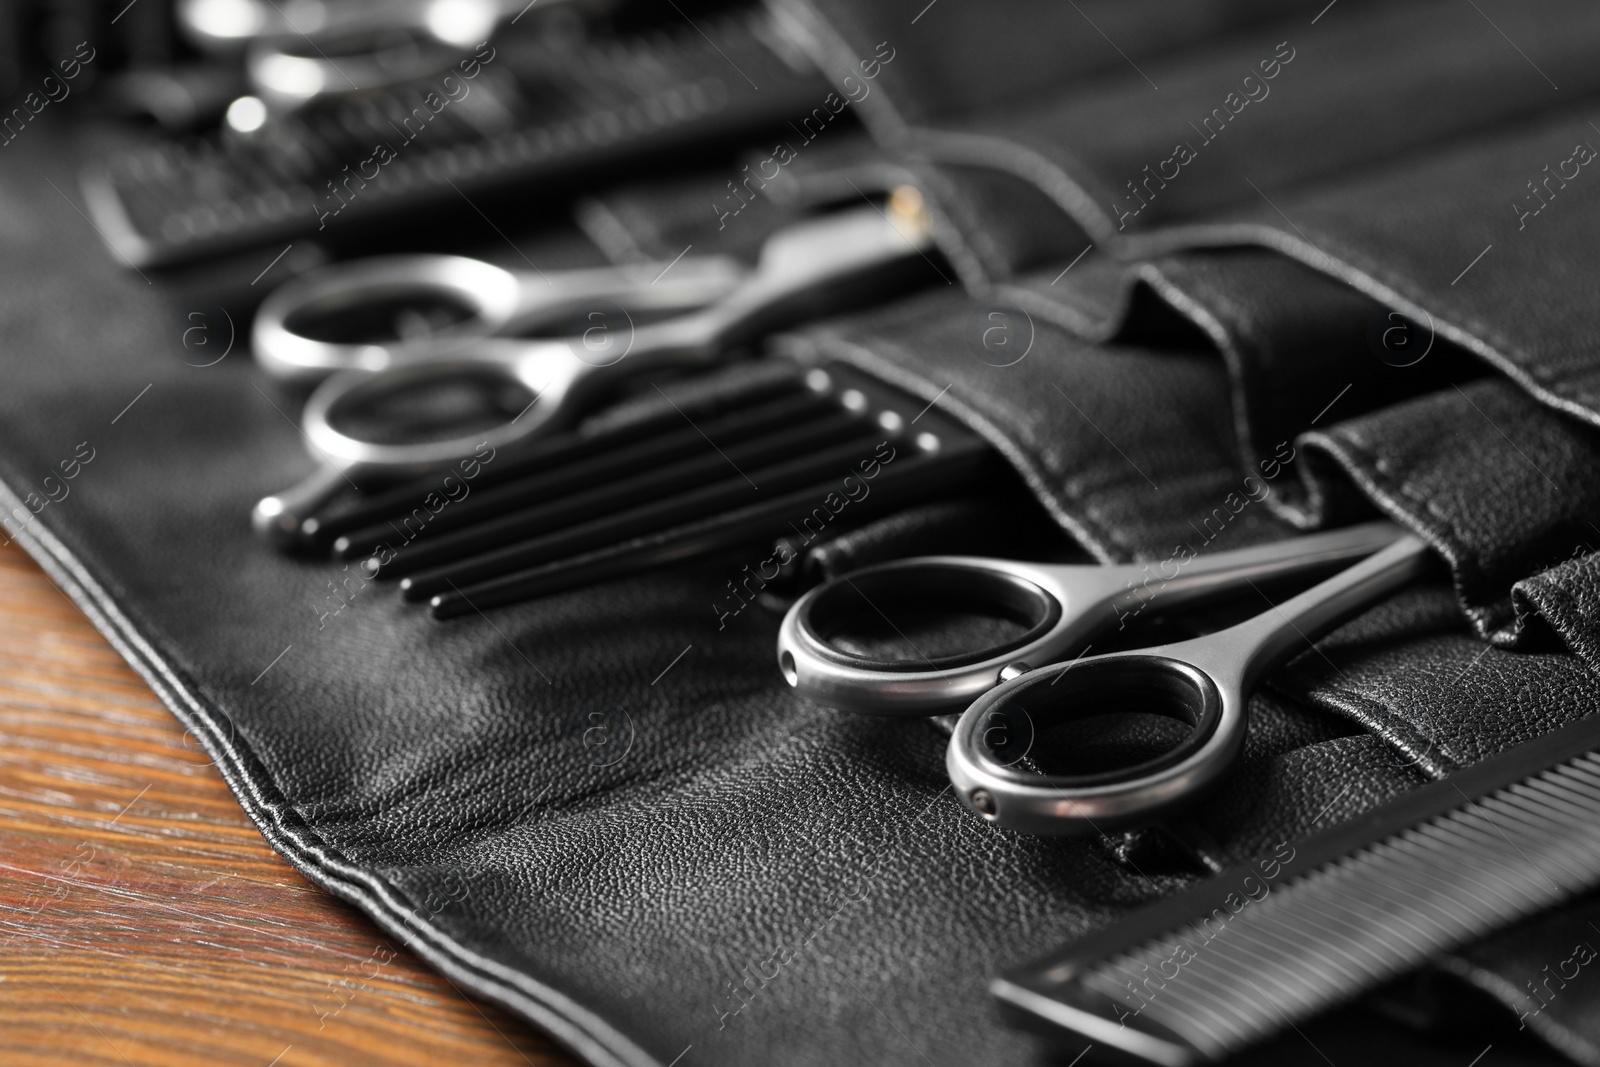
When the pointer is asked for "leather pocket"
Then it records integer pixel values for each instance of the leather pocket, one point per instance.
(1173, 133)
(1503, 488)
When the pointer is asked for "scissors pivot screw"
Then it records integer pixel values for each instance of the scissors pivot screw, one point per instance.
(983, 803)
(1014, 670)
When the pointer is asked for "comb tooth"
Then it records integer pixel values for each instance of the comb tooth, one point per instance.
(712, 497)
(695, 472)
(1294, 993)
(1198, 1004)
(1451, 861)
(556, 472)
(1546, 855)
(1579, 780)
(1270, 926)
(1526, 797)
(1398, 916)
(1398, 913)
(1587, 765)
(1456, 841)
(1485, 839)
(1583, 780)
(1275, 972)
(1558, 792)
(1459, 883)
(957, 461)
(1202, 1028)
(1581, 796)
(1560, 860)
(1206, 1012)
(1531, 823)
(1475, 827)
(1335, 930)
(1264, 982)
(1198, 1011)
(1252, 1006)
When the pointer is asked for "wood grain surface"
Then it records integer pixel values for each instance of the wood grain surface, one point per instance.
(144, 920)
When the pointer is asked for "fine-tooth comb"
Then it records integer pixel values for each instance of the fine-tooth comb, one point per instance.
(1231, 961)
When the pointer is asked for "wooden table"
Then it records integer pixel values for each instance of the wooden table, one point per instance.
(143, 920)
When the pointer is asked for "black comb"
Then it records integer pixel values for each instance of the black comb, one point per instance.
(1231, 961)
(572, 459)
(732, 465)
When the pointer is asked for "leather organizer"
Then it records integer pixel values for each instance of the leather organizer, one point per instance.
(763, 880)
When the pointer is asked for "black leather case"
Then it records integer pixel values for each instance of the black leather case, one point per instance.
(747, 877)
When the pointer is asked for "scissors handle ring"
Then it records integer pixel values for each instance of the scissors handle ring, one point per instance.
(493, 362)
(490, 301)
(489, 295)
(1028, 597)
(998, 731)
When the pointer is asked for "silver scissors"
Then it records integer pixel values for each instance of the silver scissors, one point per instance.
(226, 25)
(1013, 691)
(370, 314)
(304, 50)
(432, 405)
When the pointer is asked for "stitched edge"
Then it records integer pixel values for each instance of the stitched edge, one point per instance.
(1364, 466)
(954, 240)
(584, 1032)
(1364, 278)
(1000, 153)
(1159, 276)
(1375, 719)
(1556, 606)
(813, 32)
(994, 152)
(1071, 319)
(1226, 338)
